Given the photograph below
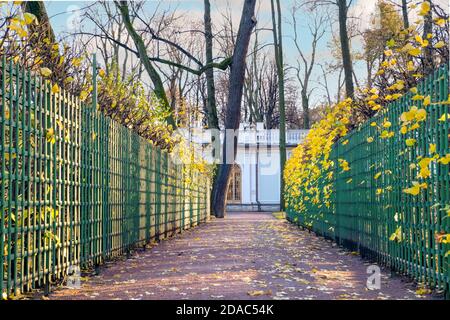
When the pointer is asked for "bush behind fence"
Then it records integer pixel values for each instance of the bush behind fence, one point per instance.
(369, 211)
(77, 188)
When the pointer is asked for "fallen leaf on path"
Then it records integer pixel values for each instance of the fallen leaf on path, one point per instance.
(423, 291)
(256, 293)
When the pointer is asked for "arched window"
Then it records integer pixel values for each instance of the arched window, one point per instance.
(234, 187)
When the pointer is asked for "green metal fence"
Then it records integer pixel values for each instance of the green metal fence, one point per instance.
(371, 213)
(76, 188)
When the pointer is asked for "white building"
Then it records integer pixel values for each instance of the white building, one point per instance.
(255, 180)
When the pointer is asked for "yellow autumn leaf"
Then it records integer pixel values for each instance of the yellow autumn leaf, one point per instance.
(376, 107)
(77, 61)
(440, 22)
(415, 189)
(410, 142)
(415, 52)
(55, 88)
(414, 127)
(412, 191)
(425, 7)
(432, 148)
(444, 117)
(50, 136)
(439, 45)
(423, 291)
(445, 159)
(21, 32)
(29, 17)
(421, 115)
(418, 38)
(46, 72)
(397, 235)
(256, 293)
(83, 95)
(7, 114)
(387, 134)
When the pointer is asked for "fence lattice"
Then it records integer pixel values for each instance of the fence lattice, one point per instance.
(368, 203)
(76, 188)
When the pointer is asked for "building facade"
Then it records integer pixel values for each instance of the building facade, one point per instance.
(255, 179)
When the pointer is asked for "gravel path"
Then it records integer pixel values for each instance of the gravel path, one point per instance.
(245, 256)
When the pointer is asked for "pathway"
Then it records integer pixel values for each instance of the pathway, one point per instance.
(245, 256)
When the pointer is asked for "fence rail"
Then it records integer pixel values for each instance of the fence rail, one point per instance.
(374, 215)
(76, 188)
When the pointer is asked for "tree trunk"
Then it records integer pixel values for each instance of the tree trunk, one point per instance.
(278, 43)
(233, 112)
(345, 48)
(37, 8)
(158, 89)
(405, 14)
(305, 105)
(213, 122)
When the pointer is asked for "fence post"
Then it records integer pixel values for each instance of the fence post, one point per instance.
(3, 174)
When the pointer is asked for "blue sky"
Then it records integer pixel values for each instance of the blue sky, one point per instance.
(61, 12)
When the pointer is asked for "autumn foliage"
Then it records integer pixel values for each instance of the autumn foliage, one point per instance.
(403, 63)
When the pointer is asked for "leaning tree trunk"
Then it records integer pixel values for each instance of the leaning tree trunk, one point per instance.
(43, 26)
(345, 48)
(233, 112)
(37, 8)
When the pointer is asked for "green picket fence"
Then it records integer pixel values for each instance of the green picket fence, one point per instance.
(365, 212)
(76, 188)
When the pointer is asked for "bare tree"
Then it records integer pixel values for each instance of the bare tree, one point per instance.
(148, 60)
(317, 27)
(158, 89)
(344, 39)
(211, 107)
(278, 45)
(233, 112)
